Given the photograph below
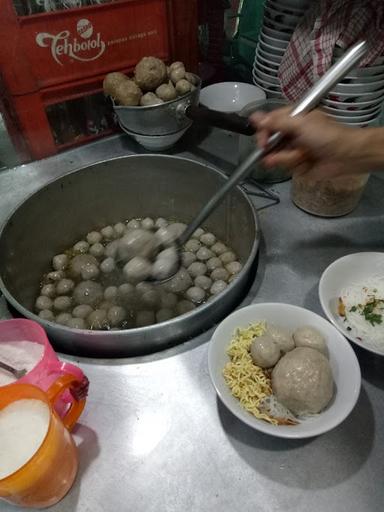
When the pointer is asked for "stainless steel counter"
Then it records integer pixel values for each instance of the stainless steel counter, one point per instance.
(154, 437)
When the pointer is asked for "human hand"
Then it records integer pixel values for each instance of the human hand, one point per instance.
(316, 145)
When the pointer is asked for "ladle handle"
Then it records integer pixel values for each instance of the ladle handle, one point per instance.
(310, 100)
(225, 121)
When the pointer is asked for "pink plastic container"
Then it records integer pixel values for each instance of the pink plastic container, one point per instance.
(49, 368)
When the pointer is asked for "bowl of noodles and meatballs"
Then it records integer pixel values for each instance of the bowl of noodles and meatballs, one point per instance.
(284, 370)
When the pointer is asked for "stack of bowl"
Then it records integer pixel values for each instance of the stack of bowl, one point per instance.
(357, 100)
(279, 23)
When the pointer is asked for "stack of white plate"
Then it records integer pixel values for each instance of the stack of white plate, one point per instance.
(357, 100)
(279, 23)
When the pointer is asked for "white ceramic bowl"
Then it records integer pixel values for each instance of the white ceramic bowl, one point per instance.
(290, 20)
(266, 61)
(354, 119)
(230, 96)
(267, 48)
(355, 98)
(354, 268)
(357, 88)
(277, 43)
(266, 77)
(284, 7)
(345, 367)
(363, 79)
(269, 57)
(355, 106)
(266, 86)
(347, 113)
(258, 65)
(275, 25)
(155, 142)
(276, 34)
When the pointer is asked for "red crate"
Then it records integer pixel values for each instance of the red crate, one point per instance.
(49, 58)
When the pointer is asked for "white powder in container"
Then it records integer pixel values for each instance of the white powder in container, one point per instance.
(20, 355)
(23, 427)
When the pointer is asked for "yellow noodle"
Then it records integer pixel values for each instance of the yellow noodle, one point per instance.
(248, 382)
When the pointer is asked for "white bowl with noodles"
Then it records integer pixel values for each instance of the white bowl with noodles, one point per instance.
(344, 364)
(347, 276)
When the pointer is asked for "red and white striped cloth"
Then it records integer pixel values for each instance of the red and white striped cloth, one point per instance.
(326, 24)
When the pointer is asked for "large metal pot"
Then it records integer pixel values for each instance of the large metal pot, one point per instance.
(51, 220)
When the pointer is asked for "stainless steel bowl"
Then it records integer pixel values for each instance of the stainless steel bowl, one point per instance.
(163, 119)
(54, 217)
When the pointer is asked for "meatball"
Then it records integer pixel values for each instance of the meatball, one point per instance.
(198, 268)
(94, 237)
(46, 314)
(310, 337)
(108, 233)
(43, 302)
(187, 258)
(178, 74)
(218, 287)
(219, 248)
(137, 269)
(138, 242)
(60, 261)
(108, 265)
(166, 264)
(98, 319)
(264, 351)
(79, 262)
(150, 72)
(203, 282)
(208, 239)
(227, 257)
(182, 86)
(116, 315)
(97, 250)
(219, 274)
(150, 98)
(127, 93)
(49, 290)
(111, 81)
(81, 247)
(82, 311)
(302, 381)
(62, 303)
(282, 338)
(88, 292)
(164, 314)
(64, 286)
(179, 283)
(166, 92)
(77, 323)
(213, 263)
(195, 294)
(204, 254)
(184, 306)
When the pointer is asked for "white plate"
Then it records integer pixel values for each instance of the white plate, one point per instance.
(345, 367)
(230, 96)
(353, 268)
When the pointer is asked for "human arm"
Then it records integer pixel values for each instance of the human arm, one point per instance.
(319, 146)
